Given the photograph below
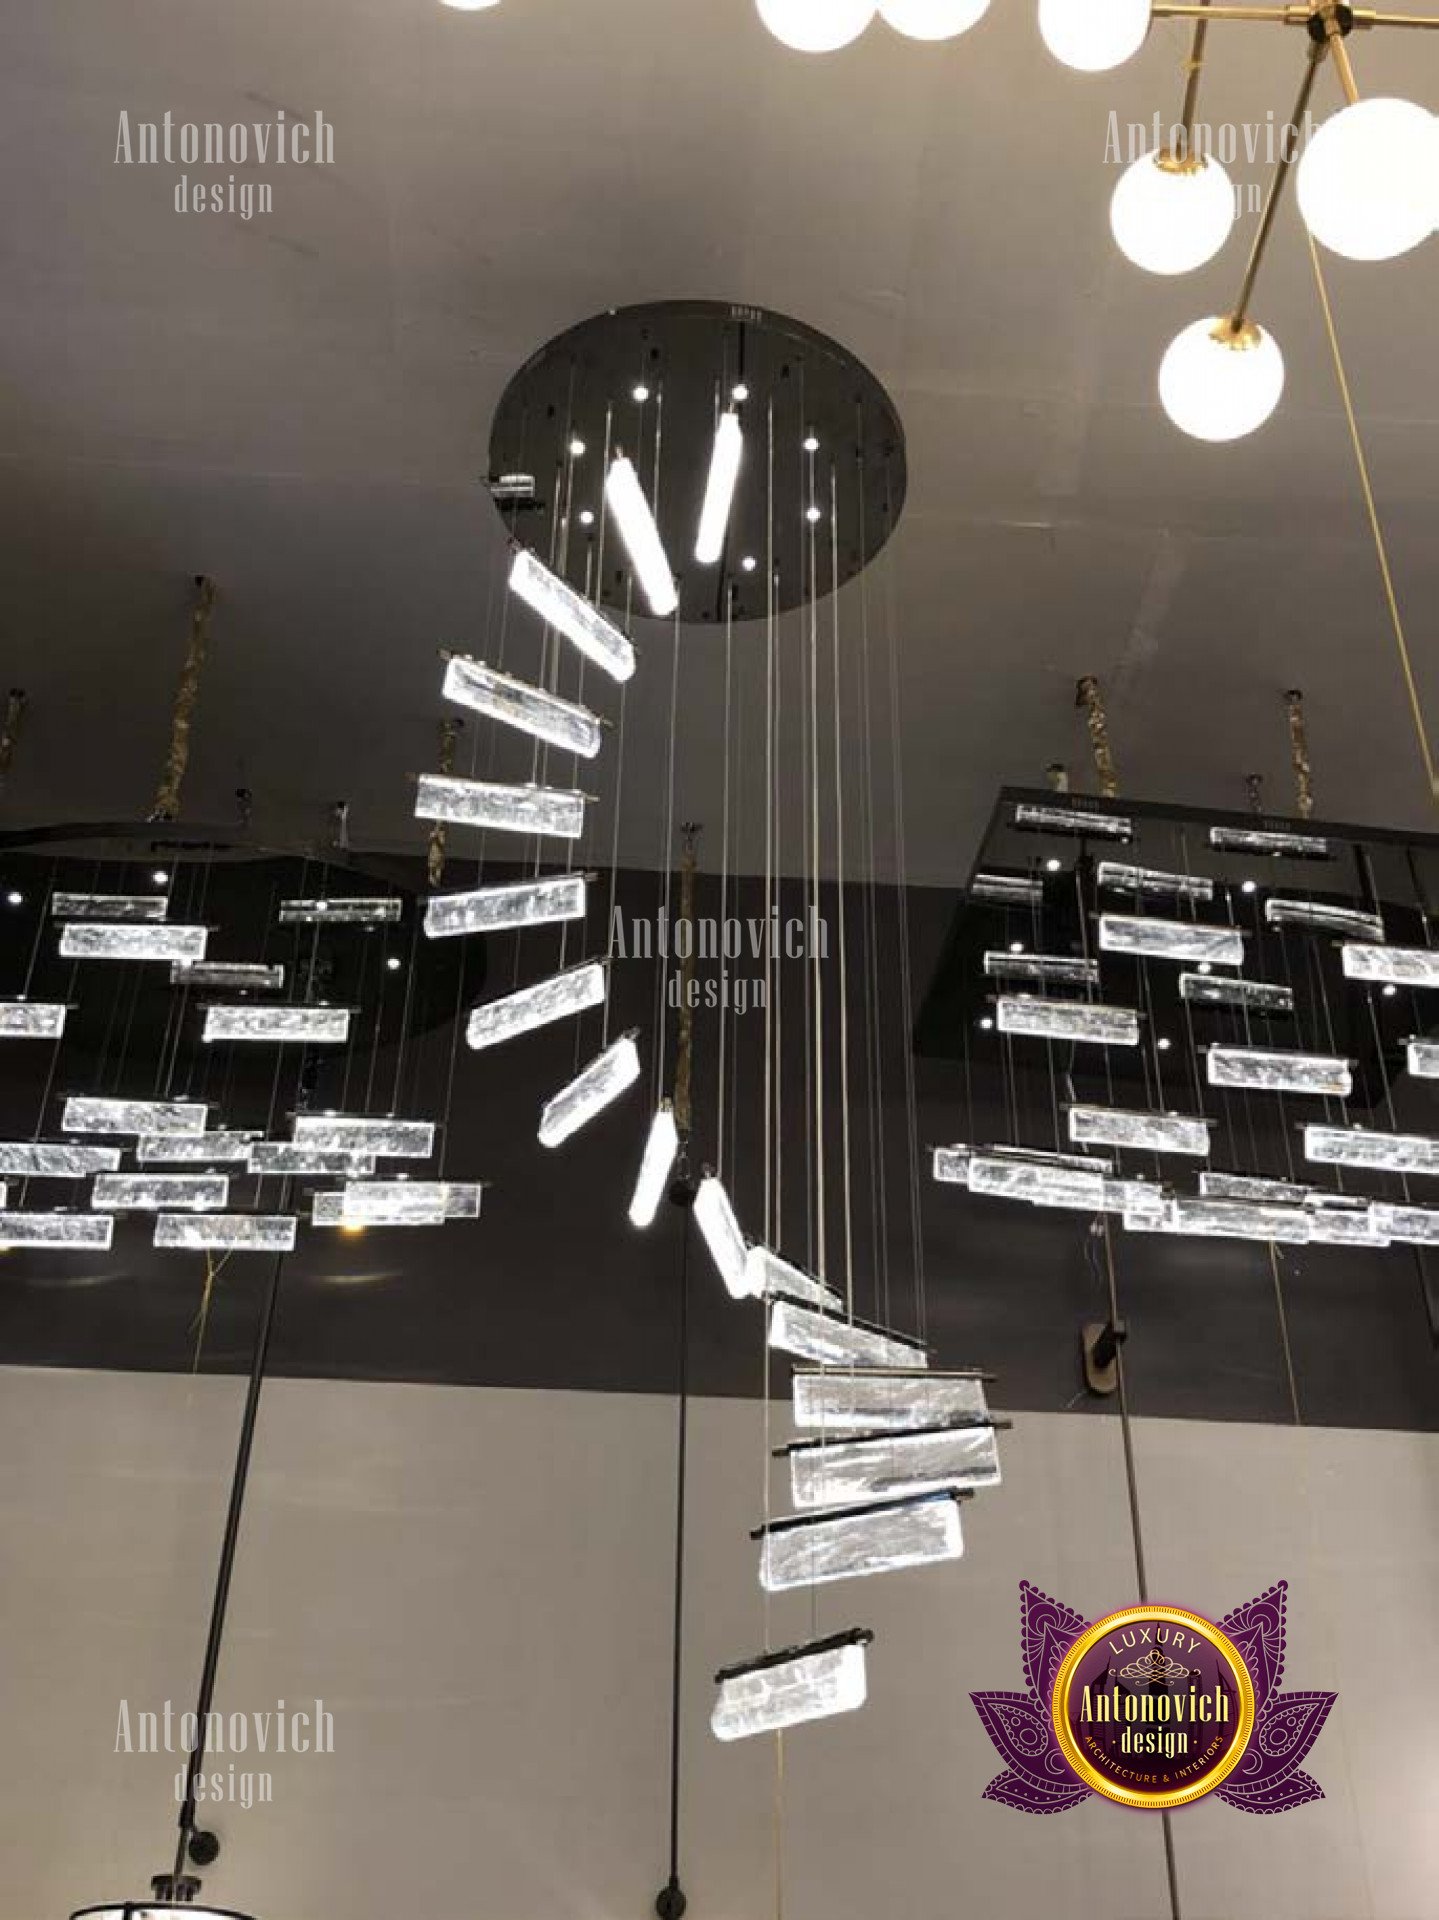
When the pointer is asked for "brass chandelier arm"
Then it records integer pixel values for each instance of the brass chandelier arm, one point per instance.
(1194, 73)
(1291, 16)
(1240, 312)
(1334, 32)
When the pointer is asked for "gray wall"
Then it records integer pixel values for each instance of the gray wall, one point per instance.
(477, 1582)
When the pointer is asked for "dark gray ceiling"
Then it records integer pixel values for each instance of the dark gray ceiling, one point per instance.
(299, 405)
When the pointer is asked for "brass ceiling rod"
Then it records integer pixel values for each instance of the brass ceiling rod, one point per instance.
(1238, 322)
(167, 795)
(1364, 18)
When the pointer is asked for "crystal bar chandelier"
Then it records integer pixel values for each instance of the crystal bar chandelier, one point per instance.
(557, 812)
(31, 1020)
(1041, 1185)
(1250, 996)
(226, 1232)
(1170, 940)
(192, 1149)
(1146, 881)
(109, 906)
(269, 1157)
(593, 1088)
(828, 1473)
(538, 1006)
(1423, 1058)
(1386, 1152)
(301, 1026)
(827, 1341)
(1250, 1186)
(662, 1147)
(570, 614)
(1007, 889)
(515, 703)
(715, 1218)
(881, 1398)
(92, 1230)
(1147, 1132)
(767, 1277)
(1322, 916)
(86, 1113)
(1085, 821)
(780, 1690)
(157, 1909)
(1267, 1070)
(852, 1543)
(239, 976)
(153, 1192)
(343, 910)
(40, 1160)
(1392, 966)
(1067, 969)
(124, 940)
(631, 514)
(1278, 844)
(385, 1138)
(524, 903)
(1087, 1021)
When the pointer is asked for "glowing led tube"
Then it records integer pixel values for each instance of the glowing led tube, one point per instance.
(515, 703)
(226, 1232)
(852, 1543)
(593, 1088)
(524, 903)
(537, 1006)
(661, 1150)
(714, 1216)
(31, 1020)
(570, 614)
(641, 536)
(719, 489)
(779, 1690)
(481, 803)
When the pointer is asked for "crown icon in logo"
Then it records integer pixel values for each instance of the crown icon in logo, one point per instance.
(1156, 1668)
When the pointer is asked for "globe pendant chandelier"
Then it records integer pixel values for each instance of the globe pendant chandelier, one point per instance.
(823, 26)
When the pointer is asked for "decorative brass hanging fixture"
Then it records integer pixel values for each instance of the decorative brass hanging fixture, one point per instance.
(167, 795)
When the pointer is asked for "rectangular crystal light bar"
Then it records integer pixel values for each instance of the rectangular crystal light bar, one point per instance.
(780, 1690)
(95, 1230)
(832, 1342)
(1007, 889)
(109, 906)
(715, 1218)
(1151, 880)
(538, 1006)
(42, 1160)
(1320, 915)
(1078, 820)
(122, 940)
(1232, 1220)
(298, 1156)
(84, 1113)
(1042, 966)
(1252, 1186)
(1411, 1226)
(342, 910)
(593, 1088)
(305, 1026)
(1040, 1184)
(1332, 1227)
(1252, 996)
(951, 1166)
(856, 1398)
(386, 1139)
(192, 1149)
(1393, 966)
(1135, 1199)
(570, 614)
(227, 1232)
(1082, 1020)
(515, 703)
(1356, 1147)
(393, 1203)
(830, 1473)
(152, 1192)
(1424, 1059)
(767, 1276)
(483, 803)
(524, 903)
(661, 1150)
(1148, 1132)
(1170, 939)
(1267, 1070)
(1298, 846)
(854, 1542)
(31, 1020)
(461, 1202)
(241, 975)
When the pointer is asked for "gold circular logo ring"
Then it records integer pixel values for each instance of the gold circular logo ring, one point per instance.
(1167, 1616)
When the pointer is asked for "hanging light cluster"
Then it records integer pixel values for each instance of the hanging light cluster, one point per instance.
(823, 26)
(1368, 189)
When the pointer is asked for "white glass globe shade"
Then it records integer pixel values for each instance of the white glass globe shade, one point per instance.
(1093, 35)
(1218, 385)
(1171, 219)
(932, 19)
(470, 6)
(816, 26)
(1366, 181)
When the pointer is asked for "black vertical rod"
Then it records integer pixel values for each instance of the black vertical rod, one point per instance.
(681, 1478)
(221, 1601)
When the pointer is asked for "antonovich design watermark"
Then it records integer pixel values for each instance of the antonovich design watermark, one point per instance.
(743, 951)
(282, 142)
(277, 1730)
(1257, 142)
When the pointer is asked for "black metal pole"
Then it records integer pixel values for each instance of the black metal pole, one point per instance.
(220, 1603)
(672, 1902)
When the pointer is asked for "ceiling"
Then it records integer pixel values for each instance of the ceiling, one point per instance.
(299, 404)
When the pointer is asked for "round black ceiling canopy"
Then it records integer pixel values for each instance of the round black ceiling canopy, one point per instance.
(822, 472)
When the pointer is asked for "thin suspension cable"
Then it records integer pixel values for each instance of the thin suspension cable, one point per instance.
(721, 1076)
(879, 1185)
(816, 974)
(609, 942)
(666, 871)
(771, 1226)
(840, 901)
